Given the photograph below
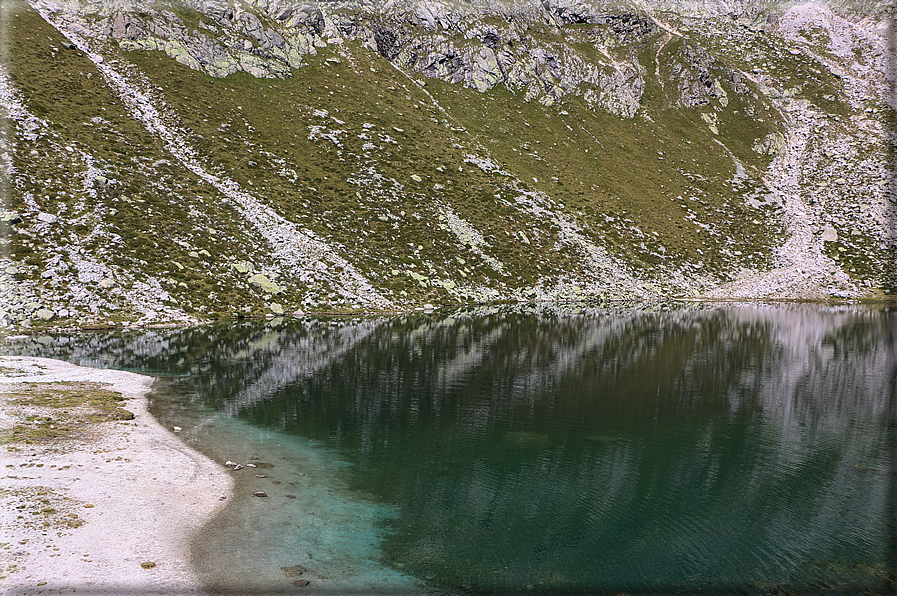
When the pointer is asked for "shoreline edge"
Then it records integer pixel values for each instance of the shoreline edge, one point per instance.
(110, 511)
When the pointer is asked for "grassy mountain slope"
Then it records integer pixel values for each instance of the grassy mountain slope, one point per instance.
(372, 166)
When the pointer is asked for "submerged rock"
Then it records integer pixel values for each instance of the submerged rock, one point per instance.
(294, 571)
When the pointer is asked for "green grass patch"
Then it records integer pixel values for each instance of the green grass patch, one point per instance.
(59, 410)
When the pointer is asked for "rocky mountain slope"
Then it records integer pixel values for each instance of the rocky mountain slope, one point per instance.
(167, 161)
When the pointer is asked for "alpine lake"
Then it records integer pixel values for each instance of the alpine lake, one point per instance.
(656, 448)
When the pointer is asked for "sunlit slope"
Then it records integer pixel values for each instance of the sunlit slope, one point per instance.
(634, 157)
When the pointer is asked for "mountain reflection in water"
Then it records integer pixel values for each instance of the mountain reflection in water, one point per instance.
(661, 448)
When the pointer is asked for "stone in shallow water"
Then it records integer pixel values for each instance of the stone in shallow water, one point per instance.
(294, 571)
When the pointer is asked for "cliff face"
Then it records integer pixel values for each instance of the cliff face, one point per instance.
(171, 161)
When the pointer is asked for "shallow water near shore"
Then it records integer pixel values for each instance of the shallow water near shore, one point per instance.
(661, 448)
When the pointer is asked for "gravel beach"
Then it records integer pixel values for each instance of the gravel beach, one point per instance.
(105, 507)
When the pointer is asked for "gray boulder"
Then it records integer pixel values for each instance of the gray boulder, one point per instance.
(265, 284)
(43, 314)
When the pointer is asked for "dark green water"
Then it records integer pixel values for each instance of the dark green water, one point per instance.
(673, 449)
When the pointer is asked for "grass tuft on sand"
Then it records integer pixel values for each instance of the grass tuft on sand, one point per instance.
(45, 412)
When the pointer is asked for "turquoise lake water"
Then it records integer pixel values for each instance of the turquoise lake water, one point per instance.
(646, 449)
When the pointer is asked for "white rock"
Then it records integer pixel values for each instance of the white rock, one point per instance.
(829, 234)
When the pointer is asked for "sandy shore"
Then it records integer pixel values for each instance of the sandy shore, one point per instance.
(109, 511)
